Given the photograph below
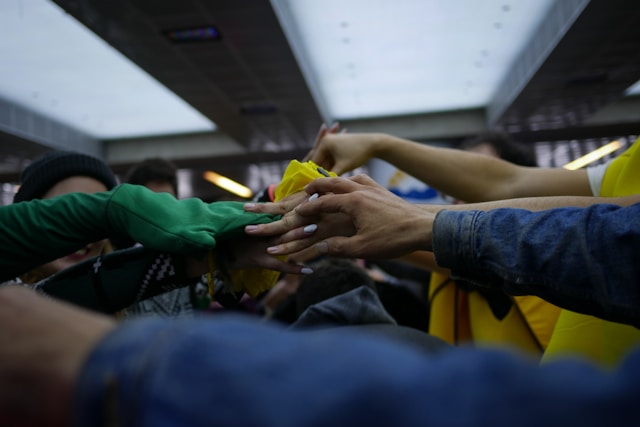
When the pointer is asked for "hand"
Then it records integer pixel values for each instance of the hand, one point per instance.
(281, 207)
(385, 225)
(301, 231)
(248, 252)
(43, 344)
(344, 152)
(324, 130)
(251, 252)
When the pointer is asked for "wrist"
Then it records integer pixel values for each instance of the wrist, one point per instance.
(380, 146)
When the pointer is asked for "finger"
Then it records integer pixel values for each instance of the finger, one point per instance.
(338, 246)
(321, 134)
(305, 255)
(365, 180)
(341, 166)
(335, 185)
(335, 128)
(273, 263)
(268, 207)
(280, 207)
(288, 222)
(300, 233)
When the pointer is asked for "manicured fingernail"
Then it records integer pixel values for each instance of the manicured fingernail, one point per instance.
(306, 270)
(249, 206)
(313, 197)
(273, 250)
(250, 228)
(310, 228)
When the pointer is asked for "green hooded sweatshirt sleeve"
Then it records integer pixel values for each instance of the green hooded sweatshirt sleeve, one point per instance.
(38, 231)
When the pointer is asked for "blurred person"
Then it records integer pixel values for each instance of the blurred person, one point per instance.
(156, 173)
(62, 172)
(342, 294)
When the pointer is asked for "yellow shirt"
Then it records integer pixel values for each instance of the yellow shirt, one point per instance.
(586, 336)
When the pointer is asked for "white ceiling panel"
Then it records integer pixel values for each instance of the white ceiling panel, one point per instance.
(369, 58)
(52, 65)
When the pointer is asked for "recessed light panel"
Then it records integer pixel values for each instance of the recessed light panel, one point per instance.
(53, 65)
(388, 57)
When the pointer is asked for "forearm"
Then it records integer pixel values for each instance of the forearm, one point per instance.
(42, 230)
(584, 260)
(466, 176)
(539, 203)
(473, 177)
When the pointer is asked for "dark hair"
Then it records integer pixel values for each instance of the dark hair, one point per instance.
(55, 166)
(507, 148)
(331, 277)
(154, 169)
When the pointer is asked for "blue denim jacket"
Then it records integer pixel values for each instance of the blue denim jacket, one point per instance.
(227, 371)
(583, 259)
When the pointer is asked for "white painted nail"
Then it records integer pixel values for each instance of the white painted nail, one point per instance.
(310, 228)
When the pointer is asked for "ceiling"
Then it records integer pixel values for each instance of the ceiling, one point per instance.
(568, 81)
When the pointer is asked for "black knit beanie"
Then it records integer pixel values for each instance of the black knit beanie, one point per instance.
(46, 171)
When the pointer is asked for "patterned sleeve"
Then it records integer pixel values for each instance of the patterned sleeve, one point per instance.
(114, 281)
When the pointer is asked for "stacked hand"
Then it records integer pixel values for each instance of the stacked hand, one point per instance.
(347, 217)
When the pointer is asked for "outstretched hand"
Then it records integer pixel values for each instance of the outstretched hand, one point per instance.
(344, 152)
(351, 217)
(322, 132)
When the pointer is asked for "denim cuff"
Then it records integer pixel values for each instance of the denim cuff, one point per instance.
(453, 238)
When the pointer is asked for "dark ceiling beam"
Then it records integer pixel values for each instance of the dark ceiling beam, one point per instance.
(592, 65)
(544, 39)
(248, 82)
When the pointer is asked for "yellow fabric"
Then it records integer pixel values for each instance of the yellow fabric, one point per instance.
(462, 318)
(297, 175)
(255, 281)
(576, 334)
(442, 313)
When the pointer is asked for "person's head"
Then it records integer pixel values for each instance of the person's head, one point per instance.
(331, 277)
(501, 145)
(57, 173)
(157, 174)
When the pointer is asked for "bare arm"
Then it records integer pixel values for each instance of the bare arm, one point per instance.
(367, 236)
(538, 203)
(467, 176)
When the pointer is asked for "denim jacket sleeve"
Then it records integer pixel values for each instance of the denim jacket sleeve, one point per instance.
(582, 259)
(235, 372)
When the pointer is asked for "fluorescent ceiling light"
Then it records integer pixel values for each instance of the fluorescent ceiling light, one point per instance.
(228, 184)
(389, 57)
(633, 90)
(593, 155)
(53, 65)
